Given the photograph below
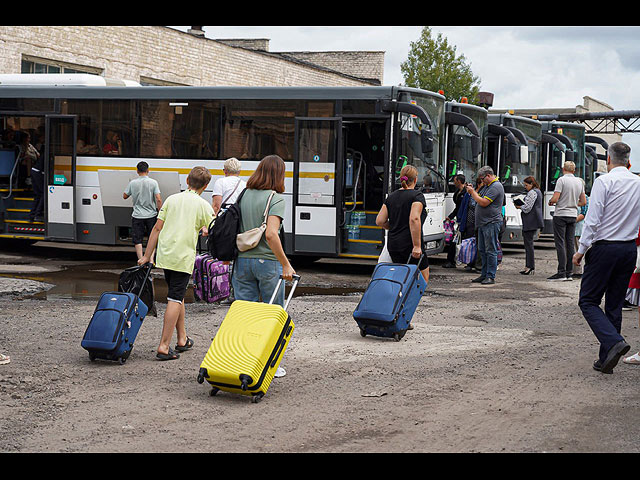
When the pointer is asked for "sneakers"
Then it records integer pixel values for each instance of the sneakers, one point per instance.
(558, 277)
(478, 280)
(488, 281)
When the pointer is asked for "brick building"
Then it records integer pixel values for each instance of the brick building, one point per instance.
(158, 55)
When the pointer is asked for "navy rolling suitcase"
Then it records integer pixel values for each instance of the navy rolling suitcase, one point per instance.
(115, 324)
(390, 300)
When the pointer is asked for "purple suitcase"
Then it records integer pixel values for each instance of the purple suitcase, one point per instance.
(210, 279)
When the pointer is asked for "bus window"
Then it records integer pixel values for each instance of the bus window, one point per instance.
(461, 160)
(105, 127)
(253, 130)
(413, 144)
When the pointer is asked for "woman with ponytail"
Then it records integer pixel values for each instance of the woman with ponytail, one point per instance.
(403, 214)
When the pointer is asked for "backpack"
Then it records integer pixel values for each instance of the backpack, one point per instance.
(223, 231)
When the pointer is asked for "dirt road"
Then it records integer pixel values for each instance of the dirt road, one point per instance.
(503, 368)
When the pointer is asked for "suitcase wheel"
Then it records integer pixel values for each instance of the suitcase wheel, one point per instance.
(363, 333)
(257, 398)
(214, 391)
(399, 335)
(92, 357)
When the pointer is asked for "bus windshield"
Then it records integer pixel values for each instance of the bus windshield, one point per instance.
(514, 170)
(461, 160)
(411, 148)
(577, 138)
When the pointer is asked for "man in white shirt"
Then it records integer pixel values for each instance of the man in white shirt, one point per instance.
(568, 195)
(227, 190)
(608, 246)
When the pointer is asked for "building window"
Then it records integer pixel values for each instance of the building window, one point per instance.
(41, 65)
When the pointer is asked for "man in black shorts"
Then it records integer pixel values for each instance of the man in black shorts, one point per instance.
(145, 193)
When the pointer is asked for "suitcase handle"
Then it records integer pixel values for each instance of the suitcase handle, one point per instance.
(411, 258)
(149, 267)
(294, 285)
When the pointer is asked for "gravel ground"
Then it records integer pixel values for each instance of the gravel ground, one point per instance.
(503, 368)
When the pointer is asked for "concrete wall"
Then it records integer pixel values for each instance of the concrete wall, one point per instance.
(163, 54)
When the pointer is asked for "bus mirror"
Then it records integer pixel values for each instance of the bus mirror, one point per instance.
(427, 141)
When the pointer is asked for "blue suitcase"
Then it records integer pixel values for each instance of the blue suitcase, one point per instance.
(390, 300)
(115, 324)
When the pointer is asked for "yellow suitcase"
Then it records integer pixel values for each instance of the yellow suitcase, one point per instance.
(248, 347)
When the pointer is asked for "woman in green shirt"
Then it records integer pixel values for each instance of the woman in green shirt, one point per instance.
(257, 271)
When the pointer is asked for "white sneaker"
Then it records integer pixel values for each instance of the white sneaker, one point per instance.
(281, 372)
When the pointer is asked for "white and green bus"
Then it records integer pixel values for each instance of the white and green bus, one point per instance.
(343, 148)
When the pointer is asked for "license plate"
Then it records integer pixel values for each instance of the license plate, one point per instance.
(432, 245)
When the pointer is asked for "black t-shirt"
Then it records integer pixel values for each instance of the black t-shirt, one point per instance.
(399, 205)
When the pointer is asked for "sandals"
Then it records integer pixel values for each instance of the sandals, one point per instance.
(633, 359)
(186, 346)
(167, 356)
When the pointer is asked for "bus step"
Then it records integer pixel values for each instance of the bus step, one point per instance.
(21, 237)
(22, 229)
(27, 222)
(374, 242)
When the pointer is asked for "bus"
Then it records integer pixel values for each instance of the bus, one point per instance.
(343, 147)
(596, 162)
(466, 144)
(567, 143)
(513, 151)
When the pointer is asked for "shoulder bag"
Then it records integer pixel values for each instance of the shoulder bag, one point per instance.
(248, 240)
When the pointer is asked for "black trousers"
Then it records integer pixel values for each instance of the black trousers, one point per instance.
(528, 237)
(564, 232)
(608, 267)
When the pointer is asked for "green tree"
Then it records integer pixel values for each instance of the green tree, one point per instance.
(433, 65)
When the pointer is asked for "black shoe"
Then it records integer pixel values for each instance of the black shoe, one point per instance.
(478, 280)
(614, 355)
(488, 281)
(569, 278)
(597, 366)
(576, 276)
(449, 265)
(528, 271)
(558, 277)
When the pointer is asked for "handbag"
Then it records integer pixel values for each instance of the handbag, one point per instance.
(449, 231)
(468, 251)
(248, 240)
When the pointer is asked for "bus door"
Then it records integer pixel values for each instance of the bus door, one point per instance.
(60, 177)
(316, 180)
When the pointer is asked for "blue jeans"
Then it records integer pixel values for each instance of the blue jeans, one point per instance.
(488, 248)
(255, 280)
(607, 270)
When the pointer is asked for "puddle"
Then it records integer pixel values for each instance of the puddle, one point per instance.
(89, 282)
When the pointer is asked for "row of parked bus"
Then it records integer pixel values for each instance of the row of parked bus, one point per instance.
(344, 149)
(517, 147)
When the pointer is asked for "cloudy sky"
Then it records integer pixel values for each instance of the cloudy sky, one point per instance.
(525, 67)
